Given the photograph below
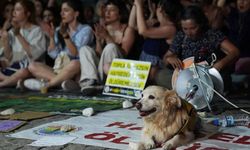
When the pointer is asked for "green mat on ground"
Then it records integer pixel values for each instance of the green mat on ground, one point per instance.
(56, 102)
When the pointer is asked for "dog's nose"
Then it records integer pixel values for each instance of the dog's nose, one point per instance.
(138, 105)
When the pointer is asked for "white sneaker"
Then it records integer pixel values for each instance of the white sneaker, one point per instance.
(33, 84)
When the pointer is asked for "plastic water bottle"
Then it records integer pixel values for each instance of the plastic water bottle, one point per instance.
(232, 120)
(44, 88)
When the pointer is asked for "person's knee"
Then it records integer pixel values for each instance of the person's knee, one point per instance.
(74, 64)
(33, 67)
(24, 72)
(85, 51)
(111, 48)
(106, 68)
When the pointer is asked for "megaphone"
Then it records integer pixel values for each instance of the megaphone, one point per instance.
(196, 83)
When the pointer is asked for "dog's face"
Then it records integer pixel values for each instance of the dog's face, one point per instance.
(150, 100)
(157, 99)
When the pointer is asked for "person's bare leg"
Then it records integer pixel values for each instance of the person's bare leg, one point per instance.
(13, 79)
(41, 71)
(3, 64)
(2, 76)
(68, 72)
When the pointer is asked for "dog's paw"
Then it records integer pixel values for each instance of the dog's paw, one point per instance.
(135, 146)
(149, 144)
(167, 146)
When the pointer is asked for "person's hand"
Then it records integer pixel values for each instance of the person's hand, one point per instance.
(151, 22)
(3, 34)
(51, 30)
(100, 31)
(7, 25)
(16, 28)
(64, 30)
(175, 62)
(96, 32)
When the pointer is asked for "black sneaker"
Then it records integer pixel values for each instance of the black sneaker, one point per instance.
(91, 90)
(70, 85)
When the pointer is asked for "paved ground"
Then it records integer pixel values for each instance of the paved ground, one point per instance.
(7, 143)
(241, 98)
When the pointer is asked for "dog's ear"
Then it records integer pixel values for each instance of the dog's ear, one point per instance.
(173, 98)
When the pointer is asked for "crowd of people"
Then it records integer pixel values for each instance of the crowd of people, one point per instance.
(67, 45)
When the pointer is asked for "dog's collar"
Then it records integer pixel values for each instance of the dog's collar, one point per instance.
(191, 121)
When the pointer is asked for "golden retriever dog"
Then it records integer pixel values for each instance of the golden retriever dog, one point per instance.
(168, 120)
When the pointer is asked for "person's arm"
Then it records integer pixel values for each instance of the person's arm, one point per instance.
(25, 44)
(128, 40)
(99, 40)
(221, 3)
(171, 56)
(84, 36)
(232, 54)
(52, 44)
(7, 51)
(172, 59)
(71, 46)
(67, 39)
(34, 44)
(132, 18)
(54, 48)
(99, 46)
(103, 33)
(165, 31)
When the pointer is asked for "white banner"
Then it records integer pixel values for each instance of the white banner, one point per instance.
(115, 129)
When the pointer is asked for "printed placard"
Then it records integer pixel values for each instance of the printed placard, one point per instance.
(127, 78)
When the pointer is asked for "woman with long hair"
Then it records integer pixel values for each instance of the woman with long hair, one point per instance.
(22, 45)
(113, 40)
(159, 35)
(64, 47)
(199, 41)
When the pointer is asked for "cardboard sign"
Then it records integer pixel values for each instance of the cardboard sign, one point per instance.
(127, 78)
(10, 125)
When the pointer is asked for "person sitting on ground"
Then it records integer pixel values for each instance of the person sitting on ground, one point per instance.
(113, 40)
(196, 39)
(22, 45)
(159, 36)
(50, 19)
(238, 22)
(64, 48)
